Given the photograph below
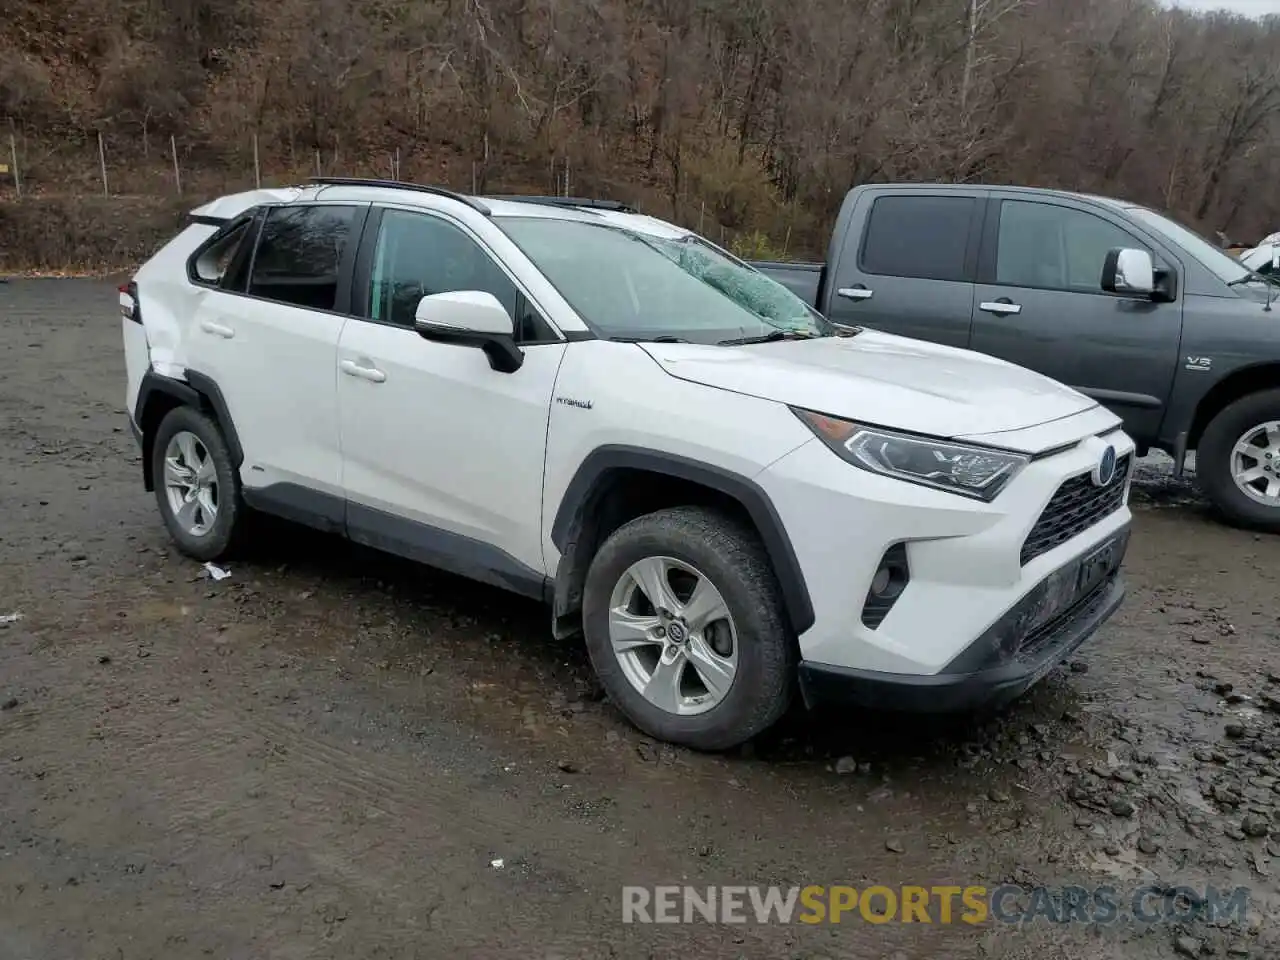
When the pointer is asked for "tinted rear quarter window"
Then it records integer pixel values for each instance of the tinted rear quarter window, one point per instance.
(300, 253)
(919, 237)
(217, 255)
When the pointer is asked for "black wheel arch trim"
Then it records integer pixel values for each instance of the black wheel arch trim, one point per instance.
(198, 391)
(745, 491)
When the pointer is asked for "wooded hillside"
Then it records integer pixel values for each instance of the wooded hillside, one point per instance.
(751, 117)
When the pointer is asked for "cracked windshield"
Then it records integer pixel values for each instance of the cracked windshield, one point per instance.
(635, 286)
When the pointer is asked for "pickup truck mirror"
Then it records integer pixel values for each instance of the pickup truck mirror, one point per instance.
(470, 318)
(1128, 271)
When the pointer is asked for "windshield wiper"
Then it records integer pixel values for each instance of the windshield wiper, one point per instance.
(773, 337)
(663, 339)
(1254, 277)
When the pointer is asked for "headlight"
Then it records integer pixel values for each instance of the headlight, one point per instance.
(977, 472)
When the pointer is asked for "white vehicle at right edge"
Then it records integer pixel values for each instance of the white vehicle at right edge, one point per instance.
(729, 497)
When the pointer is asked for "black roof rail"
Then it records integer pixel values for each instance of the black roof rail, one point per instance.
(471, 202)
(616, 206)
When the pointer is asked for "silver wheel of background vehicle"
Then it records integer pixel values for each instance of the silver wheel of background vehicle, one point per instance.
(191, 483)
(1255, 464)
(673, 635)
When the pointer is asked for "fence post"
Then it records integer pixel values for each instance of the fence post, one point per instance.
(177, 175)
(318, 163)
(13, 154)
(102, 162)
(566, 175)
(257, 169)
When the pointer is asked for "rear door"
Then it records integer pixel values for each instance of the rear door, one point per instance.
(267, 336)
(1040, 304)
(908, 262)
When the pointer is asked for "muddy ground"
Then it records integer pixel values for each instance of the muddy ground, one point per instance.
(326, 754)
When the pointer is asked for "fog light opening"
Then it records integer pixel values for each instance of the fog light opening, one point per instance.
(887, 584)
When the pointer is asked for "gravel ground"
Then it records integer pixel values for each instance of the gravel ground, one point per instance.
(326, 754)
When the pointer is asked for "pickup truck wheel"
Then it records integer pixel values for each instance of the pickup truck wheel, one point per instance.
(685, 627)
(1238, 461)
(197, 486)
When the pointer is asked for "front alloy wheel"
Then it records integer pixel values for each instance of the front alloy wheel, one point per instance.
(673, 635)
(1255, 463)
(687, 630)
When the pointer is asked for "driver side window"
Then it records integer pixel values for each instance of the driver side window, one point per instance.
(1052, 247)
(417, 255)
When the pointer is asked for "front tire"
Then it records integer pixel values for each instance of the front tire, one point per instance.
(1238, 462)
(686, 629)
(197, 485)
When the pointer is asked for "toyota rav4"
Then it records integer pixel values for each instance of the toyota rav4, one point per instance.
(728, 496)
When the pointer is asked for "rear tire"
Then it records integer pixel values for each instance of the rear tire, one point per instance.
(712, 663)
(197, 485)
(1238, 462)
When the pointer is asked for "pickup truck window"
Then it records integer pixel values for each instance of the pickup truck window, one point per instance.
(919, 237)
(1226, 267)
(628, 284)
(1053, 247)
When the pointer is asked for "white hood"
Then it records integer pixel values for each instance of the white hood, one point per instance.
(876, 378)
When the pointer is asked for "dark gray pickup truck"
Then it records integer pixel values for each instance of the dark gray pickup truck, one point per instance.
(1176, 336)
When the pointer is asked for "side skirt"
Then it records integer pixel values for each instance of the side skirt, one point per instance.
(420, 542)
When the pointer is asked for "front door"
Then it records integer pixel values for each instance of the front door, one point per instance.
(443, 455)
(1039, 303)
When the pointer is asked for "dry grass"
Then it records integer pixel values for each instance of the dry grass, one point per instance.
(84, 235)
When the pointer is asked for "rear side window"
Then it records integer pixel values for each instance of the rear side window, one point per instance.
(299, 255)
(920, 237)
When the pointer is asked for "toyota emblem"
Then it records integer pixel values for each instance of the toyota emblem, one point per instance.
(1105, 471)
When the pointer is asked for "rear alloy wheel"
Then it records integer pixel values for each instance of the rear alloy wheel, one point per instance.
(197, 485)
(191, 484)
(686, 628)
(1238, 461)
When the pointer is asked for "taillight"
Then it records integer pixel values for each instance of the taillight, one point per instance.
(129, 308)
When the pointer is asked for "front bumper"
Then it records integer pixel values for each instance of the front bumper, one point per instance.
(968, 567)
(1038, 633)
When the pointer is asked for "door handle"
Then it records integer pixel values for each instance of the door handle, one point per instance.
(855, 293)
(1003, 307)
(217, 329)
(353, 369)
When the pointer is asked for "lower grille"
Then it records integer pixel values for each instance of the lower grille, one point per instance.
(1076, 507)
(1045, 635)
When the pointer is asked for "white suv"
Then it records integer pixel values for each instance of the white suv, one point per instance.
(729, 496)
